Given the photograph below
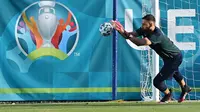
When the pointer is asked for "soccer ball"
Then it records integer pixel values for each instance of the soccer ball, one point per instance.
(106, 29)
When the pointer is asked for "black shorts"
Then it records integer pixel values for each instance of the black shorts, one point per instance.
(170, 67)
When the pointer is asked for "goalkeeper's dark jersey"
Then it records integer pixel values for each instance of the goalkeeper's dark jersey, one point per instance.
(163, 46)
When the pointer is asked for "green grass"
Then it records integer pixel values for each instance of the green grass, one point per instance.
(103, 107)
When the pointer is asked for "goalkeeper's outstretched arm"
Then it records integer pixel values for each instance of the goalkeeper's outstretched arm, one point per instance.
(132, 36)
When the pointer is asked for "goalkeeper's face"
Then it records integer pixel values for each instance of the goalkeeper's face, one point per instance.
(147, 25)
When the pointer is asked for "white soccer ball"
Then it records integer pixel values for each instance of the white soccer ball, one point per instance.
(106, 29)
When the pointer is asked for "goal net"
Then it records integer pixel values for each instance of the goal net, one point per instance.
(180, 21)
(188, 21)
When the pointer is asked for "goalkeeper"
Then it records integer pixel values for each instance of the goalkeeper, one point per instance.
(170, 54)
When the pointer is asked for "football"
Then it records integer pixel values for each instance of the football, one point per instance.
(106, 29)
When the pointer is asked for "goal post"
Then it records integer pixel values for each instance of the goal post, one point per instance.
(156, 13)
(149, 59)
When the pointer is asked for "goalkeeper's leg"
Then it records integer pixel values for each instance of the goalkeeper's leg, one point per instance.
(184, 87)
(159, 84)
(167, 72)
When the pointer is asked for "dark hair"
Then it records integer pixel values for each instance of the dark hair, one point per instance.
(149, 17)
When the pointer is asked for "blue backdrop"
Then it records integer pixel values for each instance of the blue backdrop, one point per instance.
(86, 74)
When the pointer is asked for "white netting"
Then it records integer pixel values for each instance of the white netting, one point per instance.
(146, 75)
(190, 68)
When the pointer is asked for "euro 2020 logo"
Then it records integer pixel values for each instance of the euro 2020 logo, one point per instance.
(47, 28)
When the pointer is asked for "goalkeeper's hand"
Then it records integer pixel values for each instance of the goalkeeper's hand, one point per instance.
(118, 26)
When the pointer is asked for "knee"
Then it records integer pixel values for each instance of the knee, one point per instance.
(156, 82)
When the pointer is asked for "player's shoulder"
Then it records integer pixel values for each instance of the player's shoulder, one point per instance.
(158, 32)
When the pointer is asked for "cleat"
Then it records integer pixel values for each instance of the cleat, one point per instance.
(184, 93)
(166, 98)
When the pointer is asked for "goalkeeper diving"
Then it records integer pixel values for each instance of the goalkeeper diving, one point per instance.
(165, 48)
